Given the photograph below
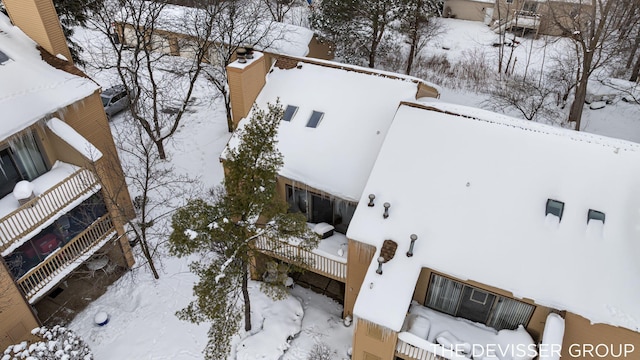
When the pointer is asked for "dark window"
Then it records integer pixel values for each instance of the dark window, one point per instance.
(457, 299)
(315, 119)
(21, 160)
(530, 7)
(289, 112)
(555, 207)
(595, 215)
(9, 175)
(318, 208)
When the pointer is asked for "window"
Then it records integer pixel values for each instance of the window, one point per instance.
(289, 112)
(21, 160)
(320, 208)
(4, 58)
(315, 119)
(595, 215)
(530, 7)
(554, 207)
(457, 299)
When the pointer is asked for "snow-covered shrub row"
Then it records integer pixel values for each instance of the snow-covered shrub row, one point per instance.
(51, 344)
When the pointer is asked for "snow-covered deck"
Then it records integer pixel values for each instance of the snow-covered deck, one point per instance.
(328, 259)
(56, 192)
(429, 334)
(46, 275)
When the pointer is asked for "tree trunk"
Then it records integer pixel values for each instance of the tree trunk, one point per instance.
(245, 296)
(161, 153)
(412, 51)
(634, 50)
(147, 255)
(575, 114)
(636, 70)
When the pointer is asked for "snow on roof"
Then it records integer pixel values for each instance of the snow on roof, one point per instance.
(73, 138)
(275, 37)
(31, 89)
(474, 191)
(337, 155)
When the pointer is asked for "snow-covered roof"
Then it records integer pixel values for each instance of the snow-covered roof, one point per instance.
(337, 155)
(32, 89)
(474, 191)
(275, 37)
(74, 139)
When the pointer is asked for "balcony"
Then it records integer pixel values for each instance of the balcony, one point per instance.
(322, 260)
(526, 20)
(58, 191)
(56, 266)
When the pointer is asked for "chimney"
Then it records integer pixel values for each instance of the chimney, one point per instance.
(39, 20)
(246, 77)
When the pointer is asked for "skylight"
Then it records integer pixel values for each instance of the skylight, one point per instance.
(595, 215)
(555, 207)
(315, 119)
(3, 58)
(289, 112)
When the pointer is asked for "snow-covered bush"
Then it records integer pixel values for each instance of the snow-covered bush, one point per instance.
(320, 351)
(51, 344)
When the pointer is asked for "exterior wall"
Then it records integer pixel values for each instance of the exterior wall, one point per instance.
(373, 342)
(245, 84)
(536, 323)
(359, 257)
(321, 48)
(87, 117)
(466, 9)
(38, 19)
(17, 318)
(559, 10)
(586, 341)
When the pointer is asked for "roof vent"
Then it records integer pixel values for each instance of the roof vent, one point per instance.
(241, 53)
(555, 207)
(595, 215)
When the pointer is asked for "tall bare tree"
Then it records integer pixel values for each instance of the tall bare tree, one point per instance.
(419, 26)
(594, 26)
(158, 99)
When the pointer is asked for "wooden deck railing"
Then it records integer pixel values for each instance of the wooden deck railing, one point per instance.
(412, 347)
(36, 212)
(293, 254)
(38, 277)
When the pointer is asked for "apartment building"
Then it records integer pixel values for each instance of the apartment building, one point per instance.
(454, 232)
(63, 200)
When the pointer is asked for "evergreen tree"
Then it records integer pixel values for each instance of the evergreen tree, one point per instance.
(74, 13)
(221, 231)
(358, 29)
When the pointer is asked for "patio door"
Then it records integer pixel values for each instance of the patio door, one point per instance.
(475, 304)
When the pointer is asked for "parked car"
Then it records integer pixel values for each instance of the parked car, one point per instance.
(114, 100)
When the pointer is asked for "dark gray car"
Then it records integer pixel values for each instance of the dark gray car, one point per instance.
(114, 100)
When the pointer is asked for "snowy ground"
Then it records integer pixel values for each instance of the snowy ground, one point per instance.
(142, 310)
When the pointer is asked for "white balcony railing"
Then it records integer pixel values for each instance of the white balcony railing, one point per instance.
(57, 265)
(412, 347)
(293, 254)
(35, 213)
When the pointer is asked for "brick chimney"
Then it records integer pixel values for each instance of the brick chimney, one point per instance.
(246, 77)
(39, 20)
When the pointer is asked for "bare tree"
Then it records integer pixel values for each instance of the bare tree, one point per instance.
(594, 27)
(279, 8)
(158, 189)
(531, 101)
(418, 24)
(158, 99)
(234, 24)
